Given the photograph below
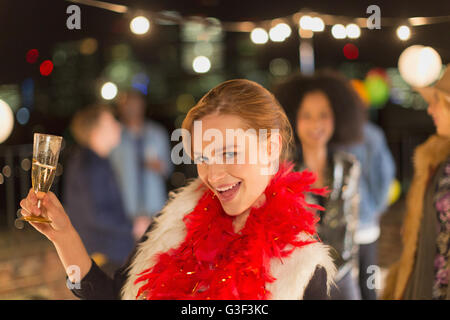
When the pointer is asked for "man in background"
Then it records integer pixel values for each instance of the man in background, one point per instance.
(142, 161)
(91, 194)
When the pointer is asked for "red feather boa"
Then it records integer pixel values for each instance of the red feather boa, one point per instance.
(214, 262)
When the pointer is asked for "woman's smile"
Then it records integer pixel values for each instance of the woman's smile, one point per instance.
(228, 192)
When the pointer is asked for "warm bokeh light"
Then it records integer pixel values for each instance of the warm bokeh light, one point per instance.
(109, 91)
(280, 32)
(338, 31)
(6, 121)
(419, 66)
(140, 25)
(352, 31)
(403, 33)
(259, 36)
(317, 24)
(201, 64)
(275, 35)
(88, 46)
(306, 22)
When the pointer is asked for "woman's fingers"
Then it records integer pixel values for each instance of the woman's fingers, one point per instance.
(52, 204)
(29, 204)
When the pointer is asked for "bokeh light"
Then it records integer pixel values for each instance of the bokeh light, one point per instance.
(279, 67)
(46, 68)
(338, 31)
(351, 52)
(32, 55)
(280, 32)
(23, 116)
(403, 33)
(88, 46)
(352, 31)
(140, 25)
(201, 64)
(109, 91)
(259, 36)
(6, 121)
(306, 22)
(317, 24)
(419, 66)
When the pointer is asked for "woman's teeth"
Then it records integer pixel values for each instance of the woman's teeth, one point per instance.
(227, 188)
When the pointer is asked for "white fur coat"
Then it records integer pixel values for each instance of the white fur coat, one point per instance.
(292, 274)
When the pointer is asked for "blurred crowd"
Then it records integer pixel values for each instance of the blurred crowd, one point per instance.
(115, 181)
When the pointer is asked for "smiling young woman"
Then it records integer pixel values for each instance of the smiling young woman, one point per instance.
(241, 230)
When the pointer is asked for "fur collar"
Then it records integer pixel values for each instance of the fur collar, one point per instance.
(292, 274)
(427, 157)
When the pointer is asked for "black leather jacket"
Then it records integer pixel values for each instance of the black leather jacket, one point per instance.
(338, 223)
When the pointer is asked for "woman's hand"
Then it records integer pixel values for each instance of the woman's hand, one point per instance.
(66, 240)
(50, 207)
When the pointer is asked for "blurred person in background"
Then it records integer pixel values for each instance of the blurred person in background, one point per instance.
(377, 174)
(91, 193)
(142, 161)
(423, 270)
(324, 111)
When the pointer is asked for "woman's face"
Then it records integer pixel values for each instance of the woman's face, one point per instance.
(107, 131)
(240, 183)
(315, 120)
(440, 112)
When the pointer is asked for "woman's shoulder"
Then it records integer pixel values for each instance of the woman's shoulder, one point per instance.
(295, 272)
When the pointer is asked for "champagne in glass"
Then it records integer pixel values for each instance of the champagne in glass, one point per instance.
(45, 160)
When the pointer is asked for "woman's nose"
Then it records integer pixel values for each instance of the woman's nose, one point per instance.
(216, 172)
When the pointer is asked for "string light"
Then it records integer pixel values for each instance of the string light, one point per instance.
(419, 66)
(109, 91)
(280, 32)
(6, 121)
(338, 31)
(259, 36)
(352, 31)
(403, 33)
(306, 22)
(303, 18)
(140, 25)
(317, 24)
(201, 64)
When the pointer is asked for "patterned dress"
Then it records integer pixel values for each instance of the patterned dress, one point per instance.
(442, 261)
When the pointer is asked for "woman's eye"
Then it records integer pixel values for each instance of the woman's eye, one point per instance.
(201, 159)
(230, 155)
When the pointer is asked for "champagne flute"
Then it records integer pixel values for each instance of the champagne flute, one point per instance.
(46, 150)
